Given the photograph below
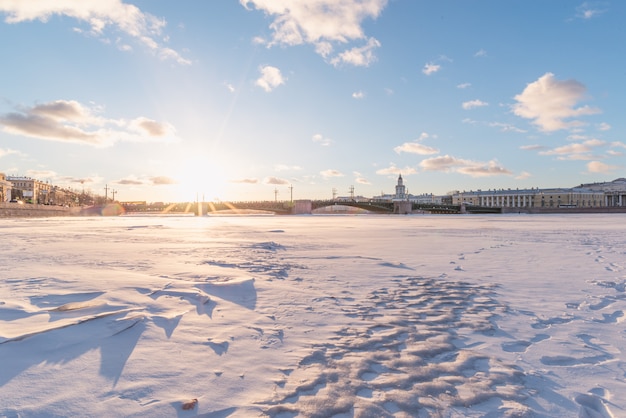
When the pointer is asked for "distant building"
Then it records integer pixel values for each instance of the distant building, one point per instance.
(614, 191)
(30, 190)
(403, 195)
(5, 188)
(533, 198)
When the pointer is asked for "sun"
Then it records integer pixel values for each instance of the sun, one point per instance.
(200, 179)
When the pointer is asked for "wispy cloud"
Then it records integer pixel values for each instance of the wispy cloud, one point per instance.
(275, 181)
(71, 121)
(162, 180)
(463, 85)
(447, 163)
(551, 103)
(472, 104)
(392, 169)
(325, 24)
(358, 177)
(431, 68)
(505, 127)
(285, 167)
(533, 147)
(331, 173)
(589, 10)
(480, 53)
(523, 175)
(128, 19)
(576, 151)
(41, 174)
(358, 95)
(7, 151)
(246, 181)
(271, 77)
(131, 181)
(322, 140)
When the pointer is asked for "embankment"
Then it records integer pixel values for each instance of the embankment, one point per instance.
(15, 210)
(606, 209)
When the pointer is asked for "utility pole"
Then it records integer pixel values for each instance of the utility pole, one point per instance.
(291, 191)
(113, 193)
(352, 193)
(106, 193)
(334, 193)
(276, 195)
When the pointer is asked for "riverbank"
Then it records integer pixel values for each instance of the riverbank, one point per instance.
(15, 210)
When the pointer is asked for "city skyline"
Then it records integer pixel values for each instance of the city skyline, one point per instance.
(234, 100)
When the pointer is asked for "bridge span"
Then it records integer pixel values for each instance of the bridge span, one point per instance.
(307, 207)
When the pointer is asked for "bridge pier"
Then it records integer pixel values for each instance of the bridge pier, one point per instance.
(402, 208)
(302, 207)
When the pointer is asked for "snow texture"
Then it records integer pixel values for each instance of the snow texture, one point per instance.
(313, 316)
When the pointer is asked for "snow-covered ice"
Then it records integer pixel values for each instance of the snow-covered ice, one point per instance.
(313, 316)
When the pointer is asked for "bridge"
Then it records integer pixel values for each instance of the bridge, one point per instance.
(306, 206)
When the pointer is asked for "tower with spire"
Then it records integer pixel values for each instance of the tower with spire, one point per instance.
(400, 189)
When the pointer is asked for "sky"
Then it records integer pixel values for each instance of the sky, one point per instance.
(163, 100)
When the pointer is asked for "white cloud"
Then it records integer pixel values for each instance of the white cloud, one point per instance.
(550, 103)
(320, 139)
(604, 126)
(599, 167)
(430, 68)
(358, 95)
(523, 175)
(331, 173)
(71, 121)
(99, 15)
(463, 85)
(271, 78)
(323, 24)
(474, 104)
(481, 53)
(361, 56)
(449, 164)
(415, 148)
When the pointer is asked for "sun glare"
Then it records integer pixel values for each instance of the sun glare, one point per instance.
(200, 179)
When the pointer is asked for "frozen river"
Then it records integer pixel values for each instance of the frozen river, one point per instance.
(313, 316)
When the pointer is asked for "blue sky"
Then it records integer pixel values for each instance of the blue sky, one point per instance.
(166, 100)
